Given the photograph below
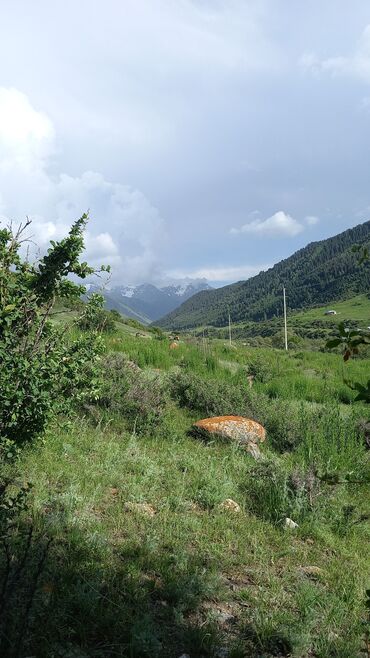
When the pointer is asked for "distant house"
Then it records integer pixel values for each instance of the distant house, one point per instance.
(330, 313)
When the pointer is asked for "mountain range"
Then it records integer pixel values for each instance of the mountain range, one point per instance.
(146, 302)
(320, 273)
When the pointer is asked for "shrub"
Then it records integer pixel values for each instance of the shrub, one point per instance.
(281, 419)
(273, 494)
(96, 318)
(41, 371)
(260, 369)
(139, 397)
(209, 397)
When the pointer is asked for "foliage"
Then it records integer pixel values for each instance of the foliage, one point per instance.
(275, 494)
(40, 369)
(139, 397)
(350, 341)
(95, 318)
(210, 397)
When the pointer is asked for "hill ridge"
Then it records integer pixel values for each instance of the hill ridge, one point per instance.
(319, 273)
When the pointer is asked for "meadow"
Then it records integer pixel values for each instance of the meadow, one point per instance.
(132, 552)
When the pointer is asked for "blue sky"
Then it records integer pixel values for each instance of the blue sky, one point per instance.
(207, 138)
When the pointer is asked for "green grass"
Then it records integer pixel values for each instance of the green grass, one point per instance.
(190, 577)
(353, 309)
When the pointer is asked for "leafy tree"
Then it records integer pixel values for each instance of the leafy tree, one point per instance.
(41, 368)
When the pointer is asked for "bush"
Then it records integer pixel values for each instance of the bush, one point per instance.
(209, 397)
(260, 369)
(96, 318)
(139, 397)
(273, 494)
(41, 370)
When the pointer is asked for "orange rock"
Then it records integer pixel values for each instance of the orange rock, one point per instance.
(243, 431)
(232, 428)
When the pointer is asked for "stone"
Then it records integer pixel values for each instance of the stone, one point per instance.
(229, 505)
(243, 431)
(222, 652)
(142, 508)
(289, 523)
(312, 571)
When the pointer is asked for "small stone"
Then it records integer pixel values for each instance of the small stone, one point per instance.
(222, 652)
(289, 523)
(312, 571)
(224, 618)
(229, 505)
(142, 508)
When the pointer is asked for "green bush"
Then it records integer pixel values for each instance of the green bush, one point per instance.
(96, 318)
(274, 494)
(210, 397)
(140, 397)
(260, 369)
(42, 370)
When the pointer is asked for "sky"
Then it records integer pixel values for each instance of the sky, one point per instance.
(207, 138)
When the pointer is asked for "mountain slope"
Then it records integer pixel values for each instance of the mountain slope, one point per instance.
(147, 303)
(317, 274)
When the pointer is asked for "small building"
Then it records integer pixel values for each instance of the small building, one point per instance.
(330, 312)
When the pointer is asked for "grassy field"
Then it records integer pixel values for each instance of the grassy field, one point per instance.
(145, 561)
(308, 329)
(355, 309)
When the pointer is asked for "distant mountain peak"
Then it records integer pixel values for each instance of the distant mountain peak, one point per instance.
(146, 302)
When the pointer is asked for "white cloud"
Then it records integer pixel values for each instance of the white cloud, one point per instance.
(311, 220)
(26, 135)
(278, 224)
(125, 230)
(223, 273)
(356, 65)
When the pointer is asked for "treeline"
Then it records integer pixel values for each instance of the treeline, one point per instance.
(317, 274)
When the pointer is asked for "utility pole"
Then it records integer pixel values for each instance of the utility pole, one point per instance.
(229, 330)
(285, 325)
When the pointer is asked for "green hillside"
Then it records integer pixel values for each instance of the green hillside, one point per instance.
(321, 273)
(356, 309)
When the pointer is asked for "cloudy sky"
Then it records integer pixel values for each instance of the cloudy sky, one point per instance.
(208, 138)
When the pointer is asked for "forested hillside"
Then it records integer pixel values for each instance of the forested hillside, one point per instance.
(317, 274)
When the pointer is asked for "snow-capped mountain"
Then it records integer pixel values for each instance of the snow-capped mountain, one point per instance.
(147, 302)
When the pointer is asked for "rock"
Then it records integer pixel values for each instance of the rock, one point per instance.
(222, 652)
(289, 523)
(229, 505)
(142, 508)
(221, 613)
(243, 431)
(184, 655)
(312, 571)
